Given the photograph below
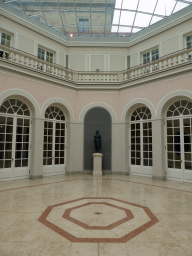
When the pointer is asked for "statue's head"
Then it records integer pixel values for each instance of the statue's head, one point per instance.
(97, 131)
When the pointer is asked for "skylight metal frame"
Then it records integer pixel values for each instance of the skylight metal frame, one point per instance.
(64, 8)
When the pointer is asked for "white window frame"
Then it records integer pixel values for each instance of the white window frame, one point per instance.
(83, 26)
(185, 43)
(11, 41)
(149, 51)
(45, 55)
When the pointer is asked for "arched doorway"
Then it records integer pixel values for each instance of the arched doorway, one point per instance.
(54, 141)
(14, 140)
(97, 118)
(141, 142)
(178, 126)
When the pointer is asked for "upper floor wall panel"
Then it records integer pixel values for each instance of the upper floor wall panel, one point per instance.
(28, 35)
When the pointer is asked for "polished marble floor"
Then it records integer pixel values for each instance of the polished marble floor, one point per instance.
(69, 215)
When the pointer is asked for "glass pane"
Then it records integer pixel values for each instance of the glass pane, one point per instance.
(25, 162)
(1, 164)
(2, 155)
(26, 130)
(178, 164)
(2, 137)
(49, 161)
(7, 164)
(188, 165)
(18, 146)
(18, 154)
(170, 164)
(49, 154)
(19, 130)
(17, 163)
(25, 138)
(8, 146)
(57, 147)
(133, 161)
(2, 120)
(25, 146)
(26, 122)
(56, 153)
(19, 138)
(8, 137)
(145, 162)
(8, 154)
(25, 154)
(56, 160)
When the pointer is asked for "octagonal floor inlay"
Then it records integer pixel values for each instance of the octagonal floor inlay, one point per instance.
(117, 222)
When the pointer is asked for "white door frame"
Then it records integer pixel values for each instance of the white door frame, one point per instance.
(15, 173)
(172, 173)
(49, 170)
(139, 170)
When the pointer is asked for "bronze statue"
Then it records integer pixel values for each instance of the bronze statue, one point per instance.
(97, 141)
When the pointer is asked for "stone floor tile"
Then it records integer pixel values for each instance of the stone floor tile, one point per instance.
(116, 249)
(84, 249)
(136, 249)
(169, 249)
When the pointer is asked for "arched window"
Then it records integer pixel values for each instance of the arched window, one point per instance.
(53, 112)
(15, 106)
(141, 113)
(180, 107)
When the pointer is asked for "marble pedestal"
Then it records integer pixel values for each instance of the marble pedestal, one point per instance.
(97, 164)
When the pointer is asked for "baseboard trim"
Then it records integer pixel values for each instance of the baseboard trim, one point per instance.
(73, 173)
(34, 177)
(158, 178)
(90, 172)
(120, 173)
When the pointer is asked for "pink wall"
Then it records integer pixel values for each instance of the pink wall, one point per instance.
(117, 100)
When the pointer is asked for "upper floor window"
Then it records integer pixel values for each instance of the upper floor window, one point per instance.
(5, 39)
(83, 25)
(150, 56)
(45, 55)
(189, 41)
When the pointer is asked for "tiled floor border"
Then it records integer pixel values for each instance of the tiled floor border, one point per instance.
(73, 239)
(44, 184)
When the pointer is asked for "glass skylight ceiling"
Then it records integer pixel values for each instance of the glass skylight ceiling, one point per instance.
(99, 17)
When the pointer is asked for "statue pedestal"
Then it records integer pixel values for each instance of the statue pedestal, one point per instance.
(97, 164)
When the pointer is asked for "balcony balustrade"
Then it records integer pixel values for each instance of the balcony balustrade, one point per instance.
(173, 60)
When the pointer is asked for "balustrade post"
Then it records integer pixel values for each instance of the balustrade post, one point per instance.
(3, 54)
(75, 77)
(120, 77)
(25, 60)
(162, 64)
(177, 59)
(20, 58)
(182, 57)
